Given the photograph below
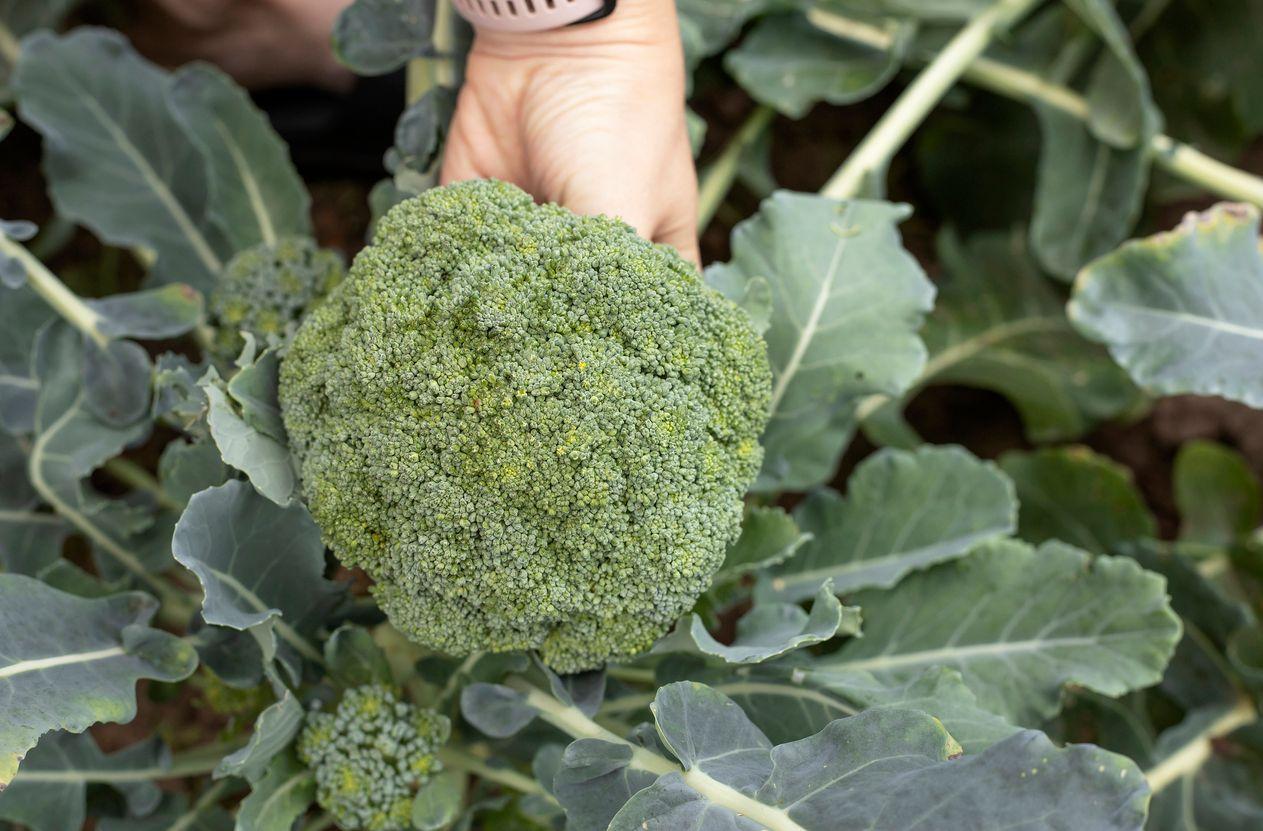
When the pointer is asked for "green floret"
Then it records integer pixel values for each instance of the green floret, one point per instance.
(265, 291)
(533, 429)
(370, 756)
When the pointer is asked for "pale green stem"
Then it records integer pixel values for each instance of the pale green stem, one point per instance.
(10, 49)
(1147, 16)
(193, 763)
(213, 794)
(572, 721)
(54, 292)
(462, 671)
(632, 675)
(176, 606)
(425, 73)
(137, 478)
(998, 77)
(921, 96)
(717, 178)
(1190, 756)
(466, 762)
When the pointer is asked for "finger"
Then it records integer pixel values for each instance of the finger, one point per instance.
(684, 240)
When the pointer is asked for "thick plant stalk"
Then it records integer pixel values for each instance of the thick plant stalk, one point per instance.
(717, 178)
(573, 722)
(1194, 753)
(423, 74)
(54, 292)
(899, 122)
(466, 762)
(1177, 158)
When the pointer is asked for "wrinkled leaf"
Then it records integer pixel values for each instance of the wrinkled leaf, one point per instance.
(117, 159)
(1077, 496)
(847, 301)
(904, 511)
(156, 314)
(1020, 624)
(1182, 311)
(789, 64)
(116, 381)
(71, 662)
(253, 184)
(1218, 496)
(770, 630)
(262, 458)
(279, 798)
(255, 561)
(768, 536)
(373, 37)
(51, 788)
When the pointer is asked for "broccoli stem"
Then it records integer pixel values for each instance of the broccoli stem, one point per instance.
(1177, 158)
(423, 74)
(916, 102)
(127, 472)
(1190, 756)
(466, 761)
(196, 762)
(717, 178)
(54, 292)
(572, 721)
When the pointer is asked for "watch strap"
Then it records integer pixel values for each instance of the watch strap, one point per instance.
(530, 15)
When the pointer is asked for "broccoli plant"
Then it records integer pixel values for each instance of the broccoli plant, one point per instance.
(522, 523)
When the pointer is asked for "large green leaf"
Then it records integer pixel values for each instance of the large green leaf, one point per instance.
(279, 798)
(70, 662)
(1218, 495)
(847, 300)
(769, 630)
(30, 539)
(1020, 624)
(70, 442)
(881, 769)
(50, 790)
(235, 427)
(1077, 496)
(117, 158)
(904, 511)
(374, 37)
(1088, 196)
(1121, 109)
(17, 19)
(22, 314)
(790, 65)
(1183, 311)
(999, 324)
(790, 700)
(256, 561)
(253, 184)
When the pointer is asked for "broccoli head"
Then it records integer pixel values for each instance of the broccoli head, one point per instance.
(266, 289)
(371, 756)
(533, 429)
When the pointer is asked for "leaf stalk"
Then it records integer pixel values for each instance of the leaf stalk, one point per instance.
(1190, 756)
(572, 721)
(717, 178)
(54, 292)
(916, 102)
(995, 76)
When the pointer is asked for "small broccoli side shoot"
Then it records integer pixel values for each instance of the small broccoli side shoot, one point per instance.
(265, 290)
(533, 429)
(371, 756)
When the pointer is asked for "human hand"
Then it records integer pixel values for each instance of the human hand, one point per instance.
(589, 116)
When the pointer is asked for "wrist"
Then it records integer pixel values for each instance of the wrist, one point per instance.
(644, 22)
